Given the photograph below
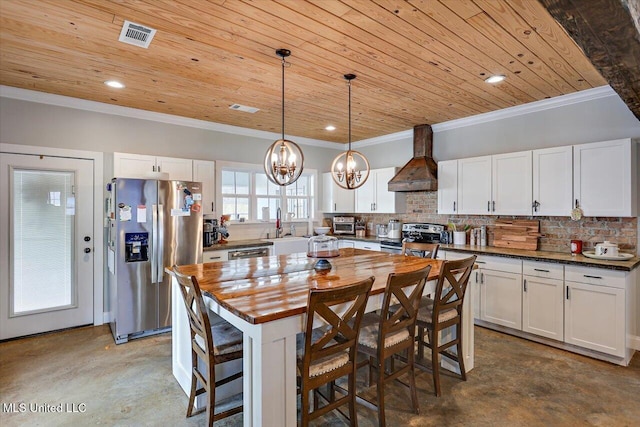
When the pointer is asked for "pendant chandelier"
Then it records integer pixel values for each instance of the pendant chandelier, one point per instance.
(350, 169)
(284, 160)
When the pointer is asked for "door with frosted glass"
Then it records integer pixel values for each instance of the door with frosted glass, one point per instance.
(46, 250)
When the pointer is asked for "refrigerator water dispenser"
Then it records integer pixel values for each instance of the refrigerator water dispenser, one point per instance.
(136, 247)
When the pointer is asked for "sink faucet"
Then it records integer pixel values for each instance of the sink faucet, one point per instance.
(278, 223)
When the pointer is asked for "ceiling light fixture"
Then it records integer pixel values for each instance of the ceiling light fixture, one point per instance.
(350, 169)
(280, 160)
(495, 79)
(114, 84)
(330, 128)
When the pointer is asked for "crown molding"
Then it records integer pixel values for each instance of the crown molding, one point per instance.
(117, 110)
(505, 113)
(100, 107)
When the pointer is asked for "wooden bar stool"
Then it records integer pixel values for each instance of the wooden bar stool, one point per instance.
(425, 250)
(210, 345)
(392, 333)
(442, 312)
(328, 353)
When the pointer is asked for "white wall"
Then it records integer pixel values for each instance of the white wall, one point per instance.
(600, 119)
(32, 123)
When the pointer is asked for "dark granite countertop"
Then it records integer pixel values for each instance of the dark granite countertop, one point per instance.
(558, 257)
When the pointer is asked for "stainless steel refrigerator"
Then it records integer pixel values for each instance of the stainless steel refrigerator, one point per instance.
(152, 224)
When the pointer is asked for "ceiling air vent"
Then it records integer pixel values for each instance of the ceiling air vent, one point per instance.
(136, 34)
(244, 108)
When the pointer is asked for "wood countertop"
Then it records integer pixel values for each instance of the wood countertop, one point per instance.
(264, 289)
(557, 257)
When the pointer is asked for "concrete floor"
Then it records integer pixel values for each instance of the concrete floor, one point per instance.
(515, 383)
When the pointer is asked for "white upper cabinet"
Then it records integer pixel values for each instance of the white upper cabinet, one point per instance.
(511, 178)
(605, 178)
(336, 199)
(553, 181)
(178, 169)
(448, 187)
(204, 171)
(375, 197)
(474, 185)
(127, 165)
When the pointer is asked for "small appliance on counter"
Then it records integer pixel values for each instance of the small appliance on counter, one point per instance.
(395, 229)
(209, 232)
(344, 225)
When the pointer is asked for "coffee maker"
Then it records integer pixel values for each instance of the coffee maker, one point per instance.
(209, 232)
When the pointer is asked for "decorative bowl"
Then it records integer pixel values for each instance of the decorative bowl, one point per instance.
(322, 230)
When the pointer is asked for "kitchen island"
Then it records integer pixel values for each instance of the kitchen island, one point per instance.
(266, 298)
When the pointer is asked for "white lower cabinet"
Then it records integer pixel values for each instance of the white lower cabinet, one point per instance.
(359, 244)
(588, 307)
(543, 299)
(213, 256)
(595, 309)
(501, 298)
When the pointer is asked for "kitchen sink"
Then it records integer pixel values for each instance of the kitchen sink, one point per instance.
(288, 245)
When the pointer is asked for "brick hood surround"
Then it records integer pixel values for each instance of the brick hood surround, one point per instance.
(421, 172)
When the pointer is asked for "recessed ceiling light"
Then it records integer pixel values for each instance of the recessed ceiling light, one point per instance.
(495, 79)
(330, 128)
(114, 84)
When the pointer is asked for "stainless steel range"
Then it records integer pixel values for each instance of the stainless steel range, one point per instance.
(413, 232)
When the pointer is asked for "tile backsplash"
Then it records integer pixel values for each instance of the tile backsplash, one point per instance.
(557, 231)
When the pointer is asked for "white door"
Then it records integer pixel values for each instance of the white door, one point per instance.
(474, 186)
(46, 260)
(365, 196)
(511, 184)
(553, 181)
(543, 307)
(501, 298)
(447, 187)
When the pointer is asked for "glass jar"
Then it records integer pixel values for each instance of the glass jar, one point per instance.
(322, 246)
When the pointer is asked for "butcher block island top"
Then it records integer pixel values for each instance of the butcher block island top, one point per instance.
(264, 289)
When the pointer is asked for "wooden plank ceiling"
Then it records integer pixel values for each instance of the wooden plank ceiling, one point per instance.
(417, 61)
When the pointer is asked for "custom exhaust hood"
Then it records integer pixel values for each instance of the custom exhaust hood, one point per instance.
(421, 172)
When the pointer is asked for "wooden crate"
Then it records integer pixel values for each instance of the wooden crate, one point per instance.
(516, 234)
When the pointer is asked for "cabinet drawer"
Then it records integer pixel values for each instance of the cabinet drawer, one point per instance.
(509, 265)
(595, 276)
(213, 256)
(549, 270)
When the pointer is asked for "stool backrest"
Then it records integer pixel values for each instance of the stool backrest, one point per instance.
(341, 309)
(452, 285)
(199, 323)
(429, 249)
(405, 289)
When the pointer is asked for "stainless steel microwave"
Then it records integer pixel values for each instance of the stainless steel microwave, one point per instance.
(344, 225)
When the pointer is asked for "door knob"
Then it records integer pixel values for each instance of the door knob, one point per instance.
(87, 250)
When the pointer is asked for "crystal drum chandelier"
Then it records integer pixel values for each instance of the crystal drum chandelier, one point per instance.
(350, 169)
(284, 160)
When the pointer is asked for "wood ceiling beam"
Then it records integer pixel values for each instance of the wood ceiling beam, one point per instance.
(606, 32)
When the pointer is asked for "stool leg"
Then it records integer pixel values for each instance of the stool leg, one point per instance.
(435, 366)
